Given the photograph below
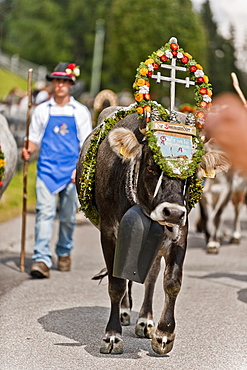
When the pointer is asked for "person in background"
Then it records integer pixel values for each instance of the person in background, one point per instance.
(227, 124)
(58, 128)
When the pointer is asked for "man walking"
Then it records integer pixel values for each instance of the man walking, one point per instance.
(58, 128)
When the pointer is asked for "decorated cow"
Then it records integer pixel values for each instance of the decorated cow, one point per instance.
(8, 154)
(137, 180)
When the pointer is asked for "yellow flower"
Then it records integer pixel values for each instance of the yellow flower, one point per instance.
(160, 53)
(206, 79)
(209, 92)
(143, 71)
(2, 163)
(139, 110)
(199, 66)
(140, 82)
(149, 61)
(188, 55)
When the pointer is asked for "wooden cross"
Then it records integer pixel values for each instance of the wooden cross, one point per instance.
(173, 80)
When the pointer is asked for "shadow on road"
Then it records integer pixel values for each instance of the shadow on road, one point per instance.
(242, 294)
(86, 325)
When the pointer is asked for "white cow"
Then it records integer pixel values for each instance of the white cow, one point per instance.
(217, 193)
(9, 148)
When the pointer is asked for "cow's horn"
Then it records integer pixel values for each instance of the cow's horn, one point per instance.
(143, 123)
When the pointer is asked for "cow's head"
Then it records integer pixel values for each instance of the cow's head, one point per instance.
(162, 198)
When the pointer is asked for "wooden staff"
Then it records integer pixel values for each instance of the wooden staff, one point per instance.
(25, 172)
(237, 87)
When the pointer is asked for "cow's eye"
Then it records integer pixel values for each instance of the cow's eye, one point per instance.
(150, 169)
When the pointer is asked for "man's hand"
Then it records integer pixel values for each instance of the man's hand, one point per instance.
(73, 176)
(27, 152)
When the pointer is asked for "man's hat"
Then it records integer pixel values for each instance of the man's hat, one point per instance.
(66, 71)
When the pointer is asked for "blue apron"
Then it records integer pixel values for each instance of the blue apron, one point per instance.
(58, 152)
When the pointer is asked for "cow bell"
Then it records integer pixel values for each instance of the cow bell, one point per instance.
(139, 239)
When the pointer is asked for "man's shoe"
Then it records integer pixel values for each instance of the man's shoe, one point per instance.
(39, 270)
(64, 263)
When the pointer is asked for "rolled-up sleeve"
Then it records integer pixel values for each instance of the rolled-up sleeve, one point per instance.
(83, 123)
(38, 122)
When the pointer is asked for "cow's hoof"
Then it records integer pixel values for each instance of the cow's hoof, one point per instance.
(125, 318)
(162, 345)
(213, 247)
(112, 344)
(235, 240)
(144, 328)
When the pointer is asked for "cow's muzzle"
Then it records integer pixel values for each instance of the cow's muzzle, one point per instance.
(169, 214)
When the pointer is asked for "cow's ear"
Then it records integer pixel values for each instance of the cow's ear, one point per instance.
(124, 143)
(213, 163)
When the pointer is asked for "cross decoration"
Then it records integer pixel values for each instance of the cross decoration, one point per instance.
(173, 80)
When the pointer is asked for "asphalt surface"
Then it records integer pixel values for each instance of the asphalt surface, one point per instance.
(58, 323)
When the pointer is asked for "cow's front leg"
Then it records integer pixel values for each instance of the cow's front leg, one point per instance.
(163, 338)
(145, 324)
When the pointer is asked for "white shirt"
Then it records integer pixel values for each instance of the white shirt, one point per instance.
(49, 108)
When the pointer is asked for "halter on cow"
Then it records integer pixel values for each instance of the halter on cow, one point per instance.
(147, 163)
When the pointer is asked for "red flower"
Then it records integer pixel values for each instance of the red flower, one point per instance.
(193, 68)
(184, 59)
(200, 80)
(163, 58)
(174, 46)
(174, 53)
(71, 66)
(149, 73)
(156, 66)
(203, 104)
(203, 91)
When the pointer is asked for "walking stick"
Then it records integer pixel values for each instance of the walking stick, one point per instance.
(25, 171)
(237, 88)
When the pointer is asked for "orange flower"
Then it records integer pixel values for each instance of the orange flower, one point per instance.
(139, 110)
(200, 115)
(147, 83)
(147, 108)
(188, 55)
(199, 66)
(149, 61)
(206, 79)
(209, 92)
(140, 82)
(139, 97)
(143, 71)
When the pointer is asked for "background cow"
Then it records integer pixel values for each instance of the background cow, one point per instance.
(126, 174)
(217, 193)
(9, 148)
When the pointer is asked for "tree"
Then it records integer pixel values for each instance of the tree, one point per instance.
(221, 53)
(36, 31)
(133, 31)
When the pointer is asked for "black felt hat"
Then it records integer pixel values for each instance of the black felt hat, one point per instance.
(66, 71)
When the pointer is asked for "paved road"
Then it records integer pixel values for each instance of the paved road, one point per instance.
(57, 323)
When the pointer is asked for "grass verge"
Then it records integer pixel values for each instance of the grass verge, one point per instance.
(12, 199)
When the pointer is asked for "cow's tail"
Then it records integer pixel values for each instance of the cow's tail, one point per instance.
(103, 273)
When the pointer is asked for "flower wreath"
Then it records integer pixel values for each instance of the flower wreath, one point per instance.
(203, 92)
(203, 89)
(2, 165)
